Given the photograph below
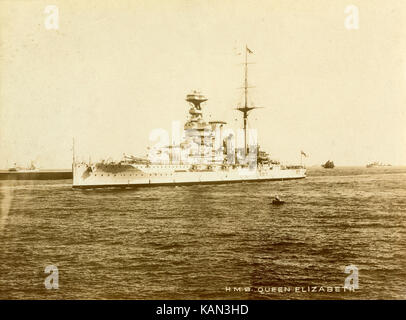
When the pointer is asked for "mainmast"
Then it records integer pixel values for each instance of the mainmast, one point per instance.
(246, 109)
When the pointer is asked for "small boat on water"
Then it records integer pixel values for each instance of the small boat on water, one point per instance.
(277, 201)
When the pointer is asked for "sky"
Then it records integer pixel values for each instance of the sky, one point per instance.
(114, 71)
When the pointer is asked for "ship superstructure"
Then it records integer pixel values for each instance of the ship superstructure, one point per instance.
(206, 153)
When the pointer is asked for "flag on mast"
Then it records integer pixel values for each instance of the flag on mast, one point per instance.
(248, 50)
(302, 153)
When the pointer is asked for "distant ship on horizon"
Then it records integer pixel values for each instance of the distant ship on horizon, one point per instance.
(206, 154)
(31, 172)
(377, 164)
(31, 168)
(328, 165)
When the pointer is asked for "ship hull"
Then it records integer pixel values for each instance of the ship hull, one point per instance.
(167, 175)
(138, 185)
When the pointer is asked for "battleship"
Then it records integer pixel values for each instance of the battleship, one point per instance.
(206, 153)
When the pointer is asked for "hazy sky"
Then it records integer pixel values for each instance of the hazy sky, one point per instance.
(115, 70)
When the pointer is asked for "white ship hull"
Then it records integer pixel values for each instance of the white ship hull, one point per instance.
(86, 176)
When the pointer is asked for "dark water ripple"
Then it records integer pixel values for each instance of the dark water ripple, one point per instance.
(192, 242)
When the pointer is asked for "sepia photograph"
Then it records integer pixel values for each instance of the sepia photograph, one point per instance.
(179, 150)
